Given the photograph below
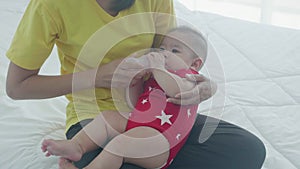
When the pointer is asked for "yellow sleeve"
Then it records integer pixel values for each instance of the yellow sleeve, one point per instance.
(34, 38)
(164, 20)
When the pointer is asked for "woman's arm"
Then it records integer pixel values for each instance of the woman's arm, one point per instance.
(28, 84)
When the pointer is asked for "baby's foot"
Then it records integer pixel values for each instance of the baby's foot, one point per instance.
(64, 148)
(65, 164)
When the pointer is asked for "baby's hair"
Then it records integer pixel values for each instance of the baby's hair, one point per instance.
(200, 41)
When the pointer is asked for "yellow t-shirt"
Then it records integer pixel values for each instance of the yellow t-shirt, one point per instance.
(86, 36)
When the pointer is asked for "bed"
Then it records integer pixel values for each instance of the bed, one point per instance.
(256, 66)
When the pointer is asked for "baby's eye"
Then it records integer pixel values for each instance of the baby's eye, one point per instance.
(175, 51)
(162, 49)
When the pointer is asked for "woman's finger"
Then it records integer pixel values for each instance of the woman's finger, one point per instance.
(201, 92)
(190, 94)
(131, 64)
(189, 101)
(196, 77)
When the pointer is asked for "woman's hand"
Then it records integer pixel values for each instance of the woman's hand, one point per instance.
(156, 60)
(119, 74)
(204, 89)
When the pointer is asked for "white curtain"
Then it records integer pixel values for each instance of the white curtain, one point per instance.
(284, 13)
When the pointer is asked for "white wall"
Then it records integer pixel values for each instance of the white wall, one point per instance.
(284, 13)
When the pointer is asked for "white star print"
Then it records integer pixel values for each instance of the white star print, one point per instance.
(144, 101)
(164, 118)
(189, 113)
(150, 88)
(178, 136)
(171, 161)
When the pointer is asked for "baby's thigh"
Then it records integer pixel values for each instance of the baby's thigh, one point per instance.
(142, 146)
(115, 122)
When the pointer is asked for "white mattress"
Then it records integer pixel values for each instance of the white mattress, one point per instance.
(257, 68)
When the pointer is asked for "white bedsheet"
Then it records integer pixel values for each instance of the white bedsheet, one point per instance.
(259, 90)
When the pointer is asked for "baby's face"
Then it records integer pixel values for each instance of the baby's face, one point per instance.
(178, 54)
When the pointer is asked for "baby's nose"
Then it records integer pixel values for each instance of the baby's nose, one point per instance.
(163, 52)
(168, 53)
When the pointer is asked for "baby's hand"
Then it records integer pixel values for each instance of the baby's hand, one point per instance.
(156, 60)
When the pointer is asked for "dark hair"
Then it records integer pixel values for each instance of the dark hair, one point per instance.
(122, 4)
(200, 40)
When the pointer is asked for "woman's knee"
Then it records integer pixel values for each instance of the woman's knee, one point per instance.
(245, 150)
(256, 151)
(230, 145)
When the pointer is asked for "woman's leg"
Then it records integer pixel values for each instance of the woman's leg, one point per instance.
(229, 147)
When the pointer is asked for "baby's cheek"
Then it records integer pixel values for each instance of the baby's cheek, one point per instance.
(180, 64)
(171, 64)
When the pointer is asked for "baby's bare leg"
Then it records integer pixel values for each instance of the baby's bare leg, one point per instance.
(64, 148)
(142, 146)
(104, 127)
(65, 164)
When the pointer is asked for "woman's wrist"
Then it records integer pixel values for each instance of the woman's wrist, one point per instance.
(102, 76)
(84, 80)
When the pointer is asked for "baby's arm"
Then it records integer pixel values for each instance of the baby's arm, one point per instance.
(133, 92)
(172, 84)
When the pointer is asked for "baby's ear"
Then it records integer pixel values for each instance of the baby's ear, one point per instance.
(197, 64)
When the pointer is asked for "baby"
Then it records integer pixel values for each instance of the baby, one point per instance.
(154, 132)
